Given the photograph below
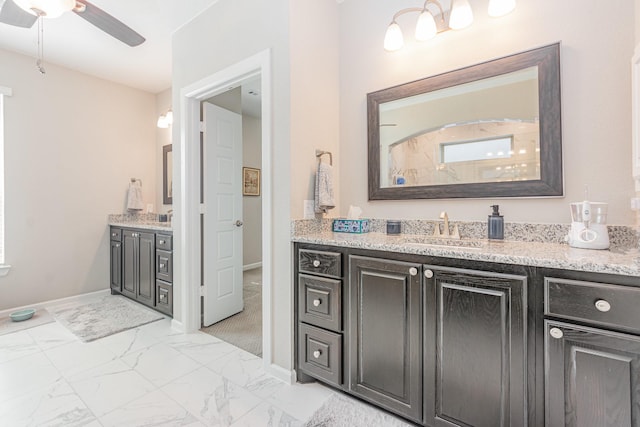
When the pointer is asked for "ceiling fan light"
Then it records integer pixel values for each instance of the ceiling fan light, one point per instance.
(461, 15)
(46, 8)
(393, 39)
(499, 8)
(426, 27)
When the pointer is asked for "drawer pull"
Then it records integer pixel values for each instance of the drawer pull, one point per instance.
(317, 354)
(603, 305)
(117, 245)
(316, 263)
(413, 271)
(114, 234)
(161, 242)
(556, 333)
(428, 274)
(161, 297)
(161, 265)
(317, 302)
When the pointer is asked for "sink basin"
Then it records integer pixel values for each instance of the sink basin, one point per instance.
(444, 243)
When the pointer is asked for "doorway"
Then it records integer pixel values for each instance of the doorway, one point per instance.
(188, 216)
(232, 301)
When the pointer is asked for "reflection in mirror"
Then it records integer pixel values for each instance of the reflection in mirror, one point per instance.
(488, 130)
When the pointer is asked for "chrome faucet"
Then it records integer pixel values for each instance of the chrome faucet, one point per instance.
(170, 214)
(446, 233)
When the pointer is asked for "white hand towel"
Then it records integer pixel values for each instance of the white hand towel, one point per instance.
(324, 188)
(134, 201)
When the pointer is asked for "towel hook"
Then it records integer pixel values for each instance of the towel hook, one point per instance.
(320, 153)
(137, 179)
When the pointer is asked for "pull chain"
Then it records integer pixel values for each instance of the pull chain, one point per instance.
(40, 45)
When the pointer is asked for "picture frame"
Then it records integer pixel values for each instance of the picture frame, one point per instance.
(167, 174)
(250, 181)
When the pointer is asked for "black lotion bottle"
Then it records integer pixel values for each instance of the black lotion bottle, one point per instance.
(496, 224)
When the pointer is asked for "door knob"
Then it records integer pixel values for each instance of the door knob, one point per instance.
(238, 223)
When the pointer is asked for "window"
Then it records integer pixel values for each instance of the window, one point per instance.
(4, 92)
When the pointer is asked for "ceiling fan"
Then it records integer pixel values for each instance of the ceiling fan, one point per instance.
(24, 13)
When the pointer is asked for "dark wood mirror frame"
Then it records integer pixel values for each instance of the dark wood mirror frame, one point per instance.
(167, 173)
(550, 184)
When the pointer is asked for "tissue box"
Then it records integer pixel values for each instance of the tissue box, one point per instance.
(351, 226)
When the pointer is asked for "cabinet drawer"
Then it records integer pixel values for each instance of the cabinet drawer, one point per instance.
(601, 304)
(164, 241)
(320, 353)
(164, 265)
(320, 262)
(320, 301)
(116, 234)
(164, 297)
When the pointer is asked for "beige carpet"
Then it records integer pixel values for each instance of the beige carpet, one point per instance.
(244, 329)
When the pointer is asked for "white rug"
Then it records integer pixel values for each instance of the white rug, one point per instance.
(40, 317)
(342, 411)
(103, 316)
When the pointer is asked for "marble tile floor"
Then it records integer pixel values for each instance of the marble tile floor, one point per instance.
(147, 376)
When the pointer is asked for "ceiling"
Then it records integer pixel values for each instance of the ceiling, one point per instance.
(74, 43)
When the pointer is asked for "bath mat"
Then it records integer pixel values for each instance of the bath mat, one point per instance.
(103, 316)
(8, 326)
(340, 410)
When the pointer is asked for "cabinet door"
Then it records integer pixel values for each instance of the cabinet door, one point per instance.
(385, 334)
(116, 266)
(129, 263)
(475, 352)
(592, 377)
(147, 268)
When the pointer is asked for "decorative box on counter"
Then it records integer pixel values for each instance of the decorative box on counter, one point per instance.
(358, 226)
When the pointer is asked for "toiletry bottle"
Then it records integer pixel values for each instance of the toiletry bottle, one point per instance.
(496, 224)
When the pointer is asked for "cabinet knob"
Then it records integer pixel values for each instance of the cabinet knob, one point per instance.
(117, 245)
(114, 234)
(317, 302)
(161, 242)
(316, 263)
(161, 297)
(556, 333)
(317, 354)
(161, 265)
(413, 271)
(428, 274)
(603, 305)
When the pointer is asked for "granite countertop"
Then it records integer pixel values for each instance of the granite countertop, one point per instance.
(552, 255)
(146, 225)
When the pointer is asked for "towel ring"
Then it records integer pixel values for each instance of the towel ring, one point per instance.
(320, 153)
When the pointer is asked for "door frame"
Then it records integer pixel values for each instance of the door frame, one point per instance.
(189, 207)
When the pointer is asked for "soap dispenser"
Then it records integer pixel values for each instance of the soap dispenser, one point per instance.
(496, 224)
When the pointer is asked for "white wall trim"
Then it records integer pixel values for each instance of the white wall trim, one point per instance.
(187, 221)
(177, 325)
(6, 91)
(282, 374)
(251, 266)
(49, 303)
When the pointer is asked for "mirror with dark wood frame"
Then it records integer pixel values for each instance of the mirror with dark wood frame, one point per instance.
(487, 130)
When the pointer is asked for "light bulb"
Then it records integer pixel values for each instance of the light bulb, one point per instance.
(169, 117)
(162, 122)
(501, 7)
(461, 15)
(426, 27)
(393, 40)
(46, 8)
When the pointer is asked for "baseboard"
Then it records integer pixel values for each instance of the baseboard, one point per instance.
(56, 301)
(251, 266)
(282, 374)
(177, 325)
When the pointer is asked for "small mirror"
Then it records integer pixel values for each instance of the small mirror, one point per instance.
(489, 130)
(167, 175)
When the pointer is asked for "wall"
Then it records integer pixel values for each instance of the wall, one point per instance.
(163, 137)
(72, 142)
(251, 205)
(596, 107)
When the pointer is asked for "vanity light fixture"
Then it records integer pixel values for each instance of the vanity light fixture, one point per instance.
(165, 120)
(428, 25)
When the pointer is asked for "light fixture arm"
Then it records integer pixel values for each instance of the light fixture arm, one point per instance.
(419, 10)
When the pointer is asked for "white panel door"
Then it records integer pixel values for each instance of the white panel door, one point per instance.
(222, 224)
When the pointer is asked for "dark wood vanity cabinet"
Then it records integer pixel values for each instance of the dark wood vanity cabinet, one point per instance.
(592, 353)
(385, 334)
(138, 265)
(475, 358)
(141, 266)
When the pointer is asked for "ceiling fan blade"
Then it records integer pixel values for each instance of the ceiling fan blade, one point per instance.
(13, 15)
(109, 24)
